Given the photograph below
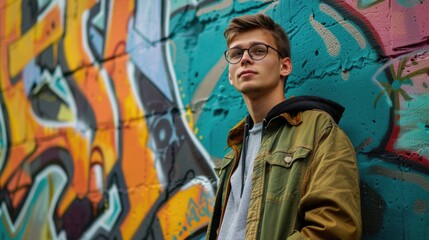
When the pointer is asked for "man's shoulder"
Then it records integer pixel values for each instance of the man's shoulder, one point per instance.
(317, 116)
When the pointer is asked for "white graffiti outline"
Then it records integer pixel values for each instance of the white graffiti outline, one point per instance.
(172, 74)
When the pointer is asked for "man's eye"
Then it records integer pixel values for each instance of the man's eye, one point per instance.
(258, 51)
(235, 54)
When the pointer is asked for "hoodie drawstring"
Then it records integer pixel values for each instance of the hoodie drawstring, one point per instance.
(244, 149)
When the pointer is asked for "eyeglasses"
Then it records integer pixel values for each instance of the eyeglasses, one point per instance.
(256, 52)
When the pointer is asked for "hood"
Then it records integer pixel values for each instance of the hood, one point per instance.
(303, 103)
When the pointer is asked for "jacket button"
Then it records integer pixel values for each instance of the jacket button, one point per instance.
(288, 159)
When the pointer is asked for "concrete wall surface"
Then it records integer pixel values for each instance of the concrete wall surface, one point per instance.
(113, 113)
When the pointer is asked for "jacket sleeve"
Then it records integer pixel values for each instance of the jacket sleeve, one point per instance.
(330, 205)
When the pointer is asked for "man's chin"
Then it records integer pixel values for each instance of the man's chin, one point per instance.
(251, 92)
(247, 87)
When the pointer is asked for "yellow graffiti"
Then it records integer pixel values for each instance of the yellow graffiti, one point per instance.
(33, 42)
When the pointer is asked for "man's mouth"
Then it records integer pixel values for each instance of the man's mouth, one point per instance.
(246, 73)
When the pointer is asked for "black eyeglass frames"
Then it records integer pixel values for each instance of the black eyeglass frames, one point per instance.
(256, 52)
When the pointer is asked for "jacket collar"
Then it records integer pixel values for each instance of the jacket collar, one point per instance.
(235, 135)
(289, 110)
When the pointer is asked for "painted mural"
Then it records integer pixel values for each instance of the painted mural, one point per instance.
(114, 112)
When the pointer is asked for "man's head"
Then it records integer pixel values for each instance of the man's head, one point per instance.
(259, 21)
(259, 55)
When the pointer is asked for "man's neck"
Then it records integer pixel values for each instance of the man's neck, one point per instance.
(259, 107)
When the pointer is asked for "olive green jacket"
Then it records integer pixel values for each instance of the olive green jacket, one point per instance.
(305, 182)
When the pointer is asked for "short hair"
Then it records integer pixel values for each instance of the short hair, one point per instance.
(259, 21)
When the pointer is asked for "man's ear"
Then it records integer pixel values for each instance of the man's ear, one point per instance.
(286, 67)
(229, 78)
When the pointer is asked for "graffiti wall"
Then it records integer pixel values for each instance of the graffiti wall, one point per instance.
(114, 112)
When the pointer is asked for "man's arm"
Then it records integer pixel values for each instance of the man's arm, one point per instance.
(330, 206)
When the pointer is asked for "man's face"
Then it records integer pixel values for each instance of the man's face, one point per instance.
(258, 78)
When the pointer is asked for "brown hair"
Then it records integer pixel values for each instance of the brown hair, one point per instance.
(259, 21)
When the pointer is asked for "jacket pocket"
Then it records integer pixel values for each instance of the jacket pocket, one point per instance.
(287, 158)
(285, 170)
(283, 182)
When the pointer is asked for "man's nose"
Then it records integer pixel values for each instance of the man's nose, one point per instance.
(246, 57)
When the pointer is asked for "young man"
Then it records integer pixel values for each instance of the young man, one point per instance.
(291, 172)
